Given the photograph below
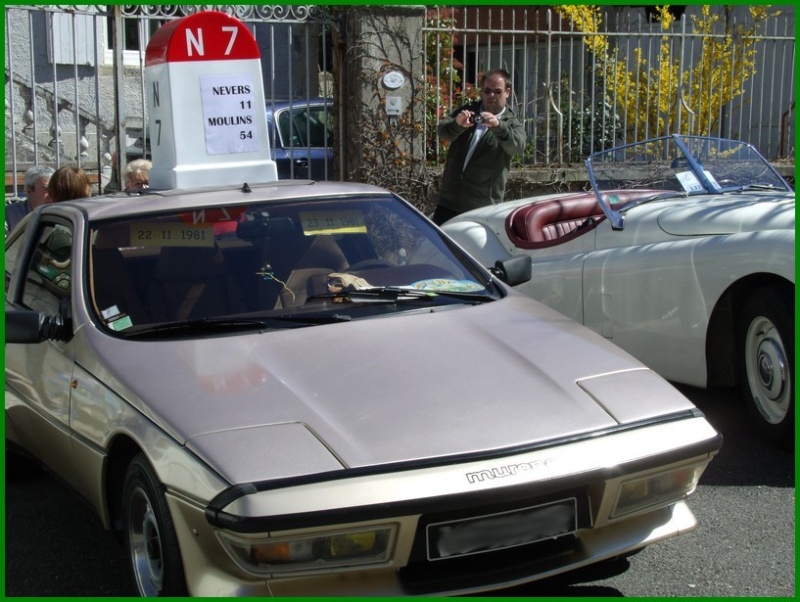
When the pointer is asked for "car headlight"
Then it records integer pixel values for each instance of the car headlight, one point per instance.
(656, 489)
(313, 551)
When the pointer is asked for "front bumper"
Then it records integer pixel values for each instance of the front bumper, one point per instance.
(590, 471)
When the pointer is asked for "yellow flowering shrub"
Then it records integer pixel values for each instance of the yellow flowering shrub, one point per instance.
(661, 97)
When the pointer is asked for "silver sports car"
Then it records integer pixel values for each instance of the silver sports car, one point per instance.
(307, 389)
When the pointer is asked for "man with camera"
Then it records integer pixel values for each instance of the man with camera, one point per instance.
(484, 136)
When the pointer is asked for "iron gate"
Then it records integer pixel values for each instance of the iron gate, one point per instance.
(75, 93)
(74, 76)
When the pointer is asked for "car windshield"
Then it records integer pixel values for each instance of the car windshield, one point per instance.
(275, 265)
(677, 166)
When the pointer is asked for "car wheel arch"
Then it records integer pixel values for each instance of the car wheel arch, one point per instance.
(765, 338)
(121, 452)
(721, 340)
(149, 533)
(123, 446)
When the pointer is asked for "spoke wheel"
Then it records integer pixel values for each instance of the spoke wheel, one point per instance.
(150, 535)
(768, 363)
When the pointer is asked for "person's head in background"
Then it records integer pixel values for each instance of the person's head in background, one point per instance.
(137, 175)
(36, 180)
(68, 183)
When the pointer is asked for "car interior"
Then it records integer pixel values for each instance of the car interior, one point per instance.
(256, 266)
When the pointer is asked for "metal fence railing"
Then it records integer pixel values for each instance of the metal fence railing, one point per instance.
(74, 89)
(643, 81)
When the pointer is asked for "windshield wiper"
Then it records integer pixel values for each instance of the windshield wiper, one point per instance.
(759, 187)
(393, 294)
(228, 324)
(298, 321)
(387, 293)
(198, 325)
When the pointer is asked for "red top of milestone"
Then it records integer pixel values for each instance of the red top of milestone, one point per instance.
(205, 36)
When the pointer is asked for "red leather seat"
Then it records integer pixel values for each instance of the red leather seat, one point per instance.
(545, 222)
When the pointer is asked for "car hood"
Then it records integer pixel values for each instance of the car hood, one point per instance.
(398, 389)
(728, 215)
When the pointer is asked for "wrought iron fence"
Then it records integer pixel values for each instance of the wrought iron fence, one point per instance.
(575, 101)
(74, 76)
(74, 84)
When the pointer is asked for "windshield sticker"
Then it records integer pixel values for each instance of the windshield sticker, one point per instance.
(689, 181)
(147, 234)
(333, 222)
(121, 324)
(446, 284)
(110, 313)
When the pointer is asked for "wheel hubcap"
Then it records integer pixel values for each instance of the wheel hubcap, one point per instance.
(769, 359)
(145, 546)
(767, 370)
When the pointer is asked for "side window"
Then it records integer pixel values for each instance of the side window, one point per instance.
(12, 257)
(287, 133)
(306, 127)
(48, 282)
(311, 127)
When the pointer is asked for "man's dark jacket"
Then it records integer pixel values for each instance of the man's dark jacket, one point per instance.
(483, 182)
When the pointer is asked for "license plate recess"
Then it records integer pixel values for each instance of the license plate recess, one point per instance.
(498, 531)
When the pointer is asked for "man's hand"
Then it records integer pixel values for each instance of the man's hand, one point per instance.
(490, 120)
(464, 119)
(467, 119)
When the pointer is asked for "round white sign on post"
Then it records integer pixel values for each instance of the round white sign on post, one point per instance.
(206, 105)
(393, 80)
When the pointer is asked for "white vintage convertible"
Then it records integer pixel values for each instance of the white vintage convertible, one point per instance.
(682, 253)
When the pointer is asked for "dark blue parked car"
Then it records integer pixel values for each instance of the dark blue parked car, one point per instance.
(301, 144)
(301, 138)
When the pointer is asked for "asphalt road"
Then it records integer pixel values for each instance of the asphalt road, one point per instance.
(744, 546)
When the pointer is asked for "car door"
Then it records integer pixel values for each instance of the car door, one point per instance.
(557, 279)
(38, 376)
(643, 292)
(304, 145)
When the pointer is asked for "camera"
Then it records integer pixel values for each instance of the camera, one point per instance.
(475, 119)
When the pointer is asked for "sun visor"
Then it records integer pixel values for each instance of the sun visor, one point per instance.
(205, 101)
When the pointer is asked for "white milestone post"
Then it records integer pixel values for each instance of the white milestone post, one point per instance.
(206, 110)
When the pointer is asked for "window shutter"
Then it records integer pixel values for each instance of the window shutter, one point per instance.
(61, 48)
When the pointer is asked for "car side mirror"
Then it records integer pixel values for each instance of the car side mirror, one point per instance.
(513, 271)
(28, 326)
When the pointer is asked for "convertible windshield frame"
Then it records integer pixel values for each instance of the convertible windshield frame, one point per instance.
(676, 166)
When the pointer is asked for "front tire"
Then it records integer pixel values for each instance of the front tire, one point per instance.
(149, 533)
(767, 354)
